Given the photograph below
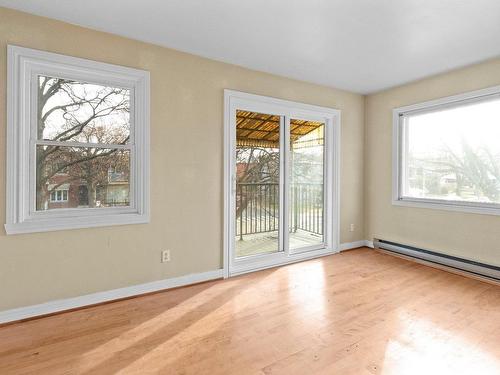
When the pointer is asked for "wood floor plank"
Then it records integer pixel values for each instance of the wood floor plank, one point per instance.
(358, 312)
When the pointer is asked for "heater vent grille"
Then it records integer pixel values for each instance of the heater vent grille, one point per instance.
(467, 265)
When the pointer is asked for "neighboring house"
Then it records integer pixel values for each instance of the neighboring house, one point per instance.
(66, 193)
(241, 169)
(116, 191)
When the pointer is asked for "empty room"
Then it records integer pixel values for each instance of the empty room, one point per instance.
(250, 187)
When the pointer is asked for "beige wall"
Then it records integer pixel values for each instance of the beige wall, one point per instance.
(186, 166)
(467, 235)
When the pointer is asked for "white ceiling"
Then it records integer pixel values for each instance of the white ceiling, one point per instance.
(358, 45)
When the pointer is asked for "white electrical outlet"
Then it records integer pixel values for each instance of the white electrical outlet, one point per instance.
(351, 228)
(165, 256)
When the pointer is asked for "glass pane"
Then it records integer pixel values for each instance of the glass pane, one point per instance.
(82, 112)
(89, 177)
(306, 183)
(454, 154)
(257, 183)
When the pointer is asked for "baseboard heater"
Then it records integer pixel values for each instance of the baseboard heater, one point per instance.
(480, 269)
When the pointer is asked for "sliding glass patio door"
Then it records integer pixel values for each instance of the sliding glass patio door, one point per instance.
(280, 172)
(259, 183)
(306, 182)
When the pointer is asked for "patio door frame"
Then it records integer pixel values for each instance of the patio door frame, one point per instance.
(236, 100)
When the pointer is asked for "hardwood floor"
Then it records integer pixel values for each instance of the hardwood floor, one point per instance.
(358, 312)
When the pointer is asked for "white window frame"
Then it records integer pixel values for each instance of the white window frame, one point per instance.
(23, 66)
(62, 200)
(398, 152)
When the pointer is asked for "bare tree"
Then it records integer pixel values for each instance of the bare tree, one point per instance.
(480, 167)
(256, 165)
(477, 170)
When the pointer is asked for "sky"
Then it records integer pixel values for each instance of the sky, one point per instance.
(478, 124)
(117, 123)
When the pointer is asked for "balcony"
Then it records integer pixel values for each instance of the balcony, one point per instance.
(257, 218)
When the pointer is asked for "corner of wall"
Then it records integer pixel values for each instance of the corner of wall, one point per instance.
(365, 169)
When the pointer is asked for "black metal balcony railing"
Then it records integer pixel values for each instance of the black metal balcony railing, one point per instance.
(257, 208)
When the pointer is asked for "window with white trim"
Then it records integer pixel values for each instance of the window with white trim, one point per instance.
(447, 153)
(78, 143)
(59, 195)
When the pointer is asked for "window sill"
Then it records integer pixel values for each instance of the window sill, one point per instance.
(56, 224)
(447, 206)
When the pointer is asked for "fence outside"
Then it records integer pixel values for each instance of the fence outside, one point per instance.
(257, 208)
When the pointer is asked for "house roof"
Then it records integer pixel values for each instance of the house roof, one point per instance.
(262, 130)
(58, 187)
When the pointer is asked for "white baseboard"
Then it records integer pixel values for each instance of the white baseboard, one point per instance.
(109, 295)
(355, 245)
